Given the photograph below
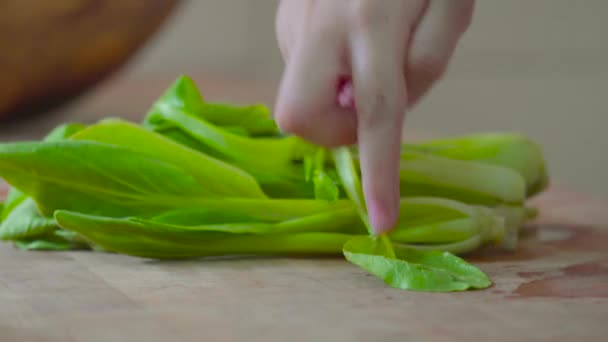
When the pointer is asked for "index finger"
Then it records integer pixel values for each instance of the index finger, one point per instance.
(380, 95)
(378, 48)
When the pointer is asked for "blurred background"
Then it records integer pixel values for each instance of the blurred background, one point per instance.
(536, 67)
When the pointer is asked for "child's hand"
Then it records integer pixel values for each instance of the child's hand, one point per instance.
(394, 50)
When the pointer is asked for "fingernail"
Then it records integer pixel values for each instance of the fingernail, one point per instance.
(346, 93)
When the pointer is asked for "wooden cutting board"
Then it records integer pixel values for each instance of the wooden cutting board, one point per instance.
(554, 288)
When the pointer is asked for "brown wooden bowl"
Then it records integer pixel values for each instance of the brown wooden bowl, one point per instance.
(53, 51)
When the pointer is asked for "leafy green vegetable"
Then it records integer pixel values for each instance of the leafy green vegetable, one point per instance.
(20, 217)
(252, 120)
(415, 270)
(180, 114)
(50, 243)
(215, 177)
(143, 239)
(400, 266)
(265, 210)
(13, 199)
(509, 150)
(325, 186)
(471, 182)
(351, 183)
(25, 221)
(93, 177)
(431, 220)
(201, 179)
(64, 131)
(15, 196)
(280, 169)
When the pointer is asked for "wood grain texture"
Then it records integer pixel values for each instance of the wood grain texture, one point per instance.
(553, 288)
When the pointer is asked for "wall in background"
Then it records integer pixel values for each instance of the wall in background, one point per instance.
(538, 67)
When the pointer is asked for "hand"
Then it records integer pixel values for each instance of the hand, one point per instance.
(393, 50)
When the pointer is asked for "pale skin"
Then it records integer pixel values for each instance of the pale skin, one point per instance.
(353, 70)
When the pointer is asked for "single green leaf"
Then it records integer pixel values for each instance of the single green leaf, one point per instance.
(64, 131)
(510, 150)
(215, 176)
(49, 245)
(92, 177)
(344, 220)
(258, 210)
(25, 221)
(184, 94)
(70, 236)
(253, 120)
(432, 220)
(459, 247)
(435, 271)
(414, 211)
(204, 216)
(437, 232)
(351, 183)
(467, 181)
(144, 239)
(56, 240)
(15, 197)
(325, 187)
(236, 130)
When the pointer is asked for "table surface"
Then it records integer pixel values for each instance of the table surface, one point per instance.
(554, 287)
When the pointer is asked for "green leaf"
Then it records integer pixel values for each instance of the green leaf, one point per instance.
(274, 162)
(49, 244)
(15, 197)
(25, 221)
(64, 131)
(258, 210)
(467, 181)
(92, 177)
(458, 247)
(181, 115)
(278, 154)
(215, 176)
(254, 120)
(192, 227)
(144, 239)
(351, 183)
(432, 220)
(433, 271)
(437, 232)
(510, 150)
(325, 187)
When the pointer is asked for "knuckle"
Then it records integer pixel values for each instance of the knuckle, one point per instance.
(428, 66)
